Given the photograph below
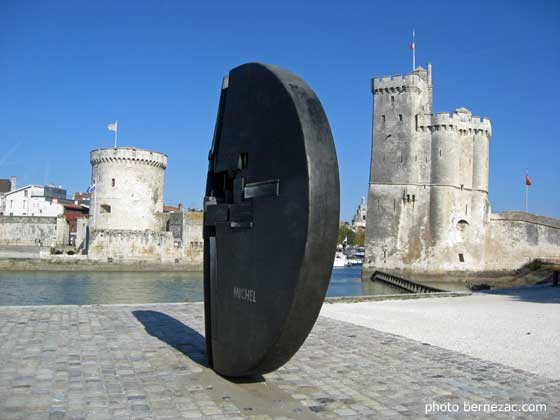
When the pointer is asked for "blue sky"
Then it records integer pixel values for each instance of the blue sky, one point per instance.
(70, 67)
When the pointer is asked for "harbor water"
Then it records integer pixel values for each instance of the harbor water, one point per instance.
(86, 288)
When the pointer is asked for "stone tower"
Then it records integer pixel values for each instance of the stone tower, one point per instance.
(428, 194)
(359, 219)
(128, 191)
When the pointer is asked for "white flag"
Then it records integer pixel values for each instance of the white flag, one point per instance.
(112, 126)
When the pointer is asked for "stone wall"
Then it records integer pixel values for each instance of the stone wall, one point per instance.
(516, 238)
(33, 231)
(182, 244)
(123, 245)
(192, 240)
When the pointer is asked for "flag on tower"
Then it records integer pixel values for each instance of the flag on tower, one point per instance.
(527, 179)
(112, 126)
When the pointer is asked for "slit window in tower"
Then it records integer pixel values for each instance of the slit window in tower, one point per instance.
(383, 118)
(400, 117)
(466, 209)
(461, 258)
(112, 182)
(378, 204)
(392, 99)
(439, 152)
(408, 198)
(394, 204)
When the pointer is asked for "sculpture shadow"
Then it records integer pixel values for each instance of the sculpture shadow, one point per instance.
(183, 338)
(175, 333)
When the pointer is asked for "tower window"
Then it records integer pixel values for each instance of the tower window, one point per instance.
(439, 152)
(400, 117)
(392, 99)
(461, 258)
(466, 209)
(105, 208)
(112, 182)
(383, 118)
(408, 198)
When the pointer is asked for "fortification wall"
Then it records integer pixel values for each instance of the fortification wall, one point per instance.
(186, 228)
(516, 238)
(128, 189)
(398, 233)
(33, 231)
(126, 245)
(183, 244)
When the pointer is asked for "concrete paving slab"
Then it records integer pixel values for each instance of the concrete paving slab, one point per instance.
(517, 327)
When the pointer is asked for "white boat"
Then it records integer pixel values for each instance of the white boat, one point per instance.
(340, 260)
(355, 261)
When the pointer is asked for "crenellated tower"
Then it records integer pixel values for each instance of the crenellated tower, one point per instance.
(428, 194)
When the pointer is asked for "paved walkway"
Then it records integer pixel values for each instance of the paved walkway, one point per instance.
(148, 362)
(517, 327)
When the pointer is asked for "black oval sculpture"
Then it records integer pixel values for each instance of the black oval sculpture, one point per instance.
(271, 217)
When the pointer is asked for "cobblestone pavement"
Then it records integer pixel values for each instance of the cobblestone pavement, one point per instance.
(148, 362)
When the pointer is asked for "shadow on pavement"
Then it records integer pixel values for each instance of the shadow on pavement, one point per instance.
(545, 293)
(183, 338)
(175, 333)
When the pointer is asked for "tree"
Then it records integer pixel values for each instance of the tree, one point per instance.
(345, 232)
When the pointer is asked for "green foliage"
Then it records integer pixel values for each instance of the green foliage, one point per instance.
(359, 238)
(354, 238)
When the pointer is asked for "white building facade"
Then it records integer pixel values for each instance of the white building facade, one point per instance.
(33, 200)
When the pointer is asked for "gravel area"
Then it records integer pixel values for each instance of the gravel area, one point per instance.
(515, 327)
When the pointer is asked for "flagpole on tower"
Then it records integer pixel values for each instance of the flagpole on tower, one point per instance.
(413, 47)
(114, 127)
(528, 183)
(116, 132)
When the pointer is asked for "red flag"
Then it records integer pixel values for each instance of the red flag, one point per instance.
(527, 180)
(412, 46)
